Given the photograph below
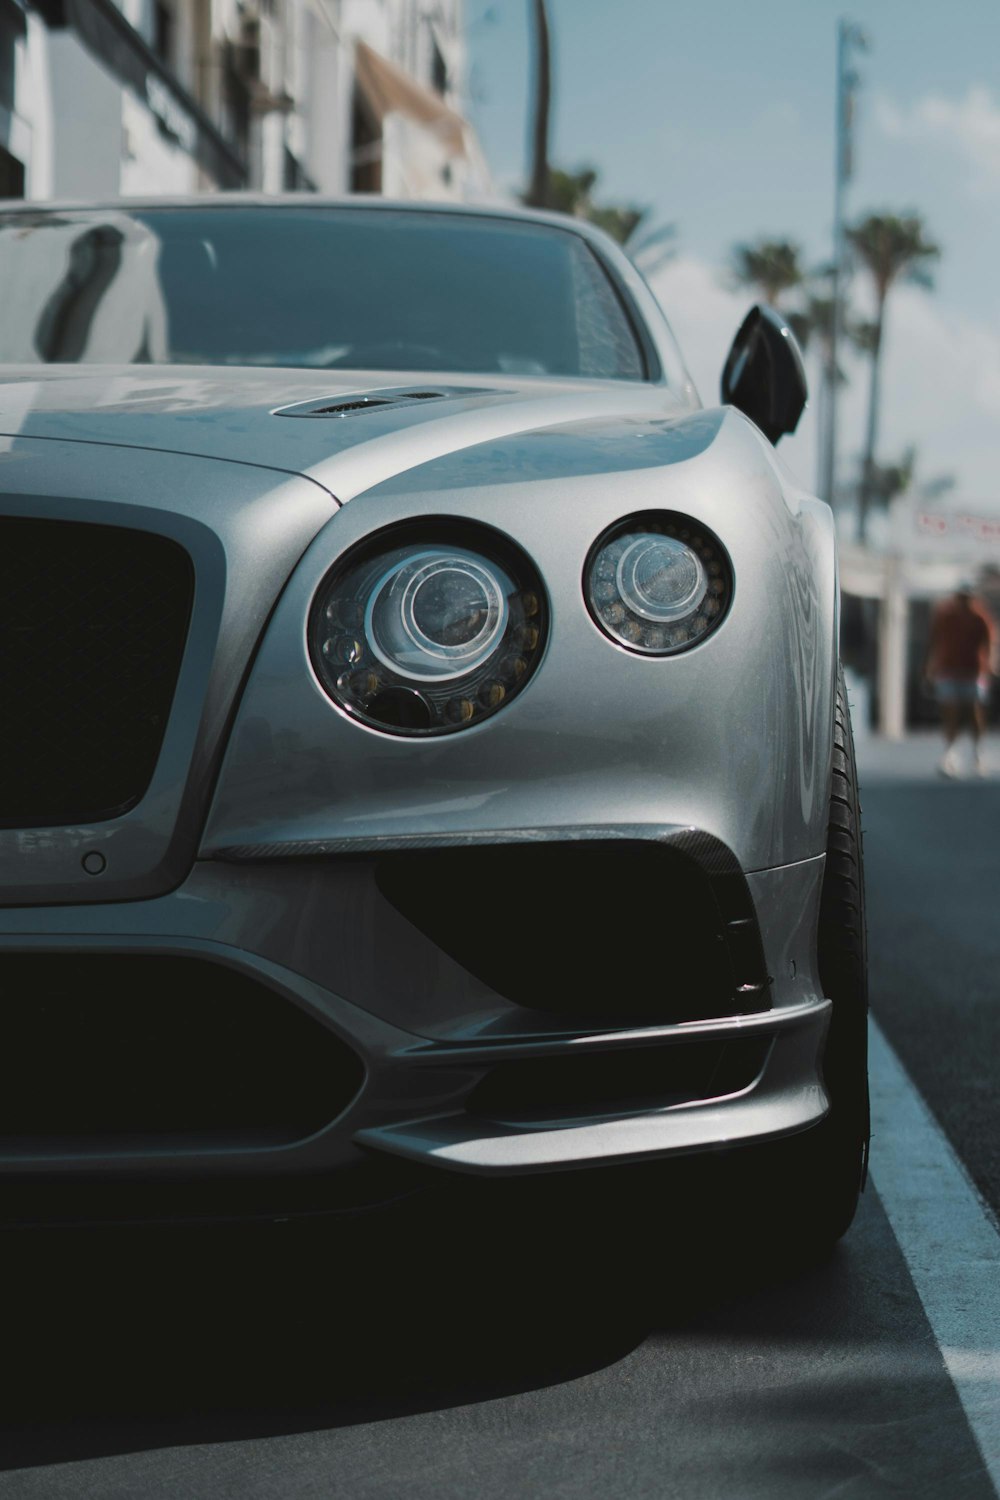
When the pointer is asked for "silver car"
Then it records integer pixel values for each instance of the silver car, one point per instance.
(425, 750)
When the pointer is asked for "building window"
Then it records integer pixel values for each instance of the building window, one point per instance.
(439, 69)
(12, 26)
(163, 31)
(11, 176)
(295, 178)
(366, 149)
(236, 94)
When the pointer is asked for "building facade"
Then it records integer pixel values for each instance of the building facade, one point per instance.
(106, 99)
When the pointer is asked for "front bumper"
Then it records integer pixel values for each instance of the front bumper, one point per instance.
(451, 1073)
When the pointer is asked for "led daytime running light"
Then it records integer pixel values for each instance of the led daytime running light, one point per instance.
(417, 636)
(658, 583)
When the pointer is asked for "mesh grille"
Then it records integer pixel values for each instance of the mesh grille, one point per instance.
(345, 406)
(93, 621)
(365, 403)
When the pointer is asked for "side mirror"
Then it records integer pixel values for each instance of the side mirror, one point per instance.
(764, 376)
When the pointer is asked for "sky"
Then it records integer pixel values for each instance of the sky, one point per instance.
(719, 117)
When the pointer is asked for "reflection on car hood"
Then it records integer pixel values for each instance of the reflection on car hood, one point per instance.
(230, 414)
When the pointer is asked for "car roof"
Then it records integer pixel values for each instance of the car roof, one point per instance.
(368, 201)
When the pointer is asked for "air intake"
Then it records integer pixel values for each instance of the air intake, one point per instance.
(362, 401)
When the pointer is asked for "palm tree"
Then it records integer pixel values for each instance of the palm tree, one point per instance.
(769, 267)
(890, 480)
(537, 195)
(573, 193)
(892, 248)
(651, 246)
(549, 186)
(812, 324)
(904, 477)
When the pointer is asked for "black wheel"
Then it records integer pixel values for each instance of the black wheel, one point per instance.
(840, 1142)
(792, 1197)
(806, 1188)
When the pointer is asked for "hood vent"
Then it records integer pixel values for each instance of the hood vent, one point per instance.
(363, 401)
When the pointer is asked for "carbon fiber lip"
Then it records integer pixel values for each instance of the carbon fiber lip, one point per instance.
(787, 1097)
(704, 848)
(767, 1023)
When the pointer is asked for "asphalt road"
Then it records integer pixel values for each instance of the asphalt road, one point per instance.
(396, 1362)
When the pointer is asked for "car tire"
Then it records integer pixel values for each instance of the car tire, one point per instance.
(789, 1198)
(804, 1190)
(842, 943)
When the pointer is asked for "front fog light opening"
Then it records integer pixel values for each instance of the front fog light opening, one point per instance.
(428, 627)
(658, 583)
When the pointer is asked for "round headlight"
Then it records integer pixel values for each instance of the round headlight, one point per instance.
(658, 583)
(436, 615)
(417, 633)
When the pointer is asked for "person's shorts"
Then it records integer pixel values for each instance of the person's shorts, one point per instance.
(962, 690)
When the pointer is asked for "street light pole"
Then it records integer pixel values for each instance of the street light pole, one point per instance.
(850, 38)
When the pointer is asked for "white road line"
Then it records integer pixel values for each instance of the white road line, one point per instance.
(948, 1238)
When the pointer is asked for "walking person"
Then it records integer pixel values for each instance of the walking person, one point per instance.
(960, 659)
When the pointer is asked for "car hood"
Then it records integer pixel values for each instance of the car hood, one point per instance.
(386, 423)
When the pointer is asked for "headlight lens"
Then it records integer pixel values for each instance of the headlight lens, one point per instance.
(658, 583)
(436, 615)
(420, 634)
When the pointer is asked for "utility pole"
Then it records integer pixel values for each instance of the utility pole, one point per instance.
(850, 39)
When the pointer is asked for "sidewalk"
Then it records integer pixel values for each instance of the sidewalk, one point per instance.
(916, 758)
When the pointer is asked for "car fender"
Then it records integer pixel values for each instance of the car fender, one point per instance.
(732, 736)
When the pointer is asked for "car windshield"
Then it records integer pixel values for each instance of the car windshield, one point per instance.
(366, 289)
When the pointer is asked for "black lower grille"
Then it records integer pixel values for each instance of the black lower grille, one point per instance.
(93, 621)
(114, 1049)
